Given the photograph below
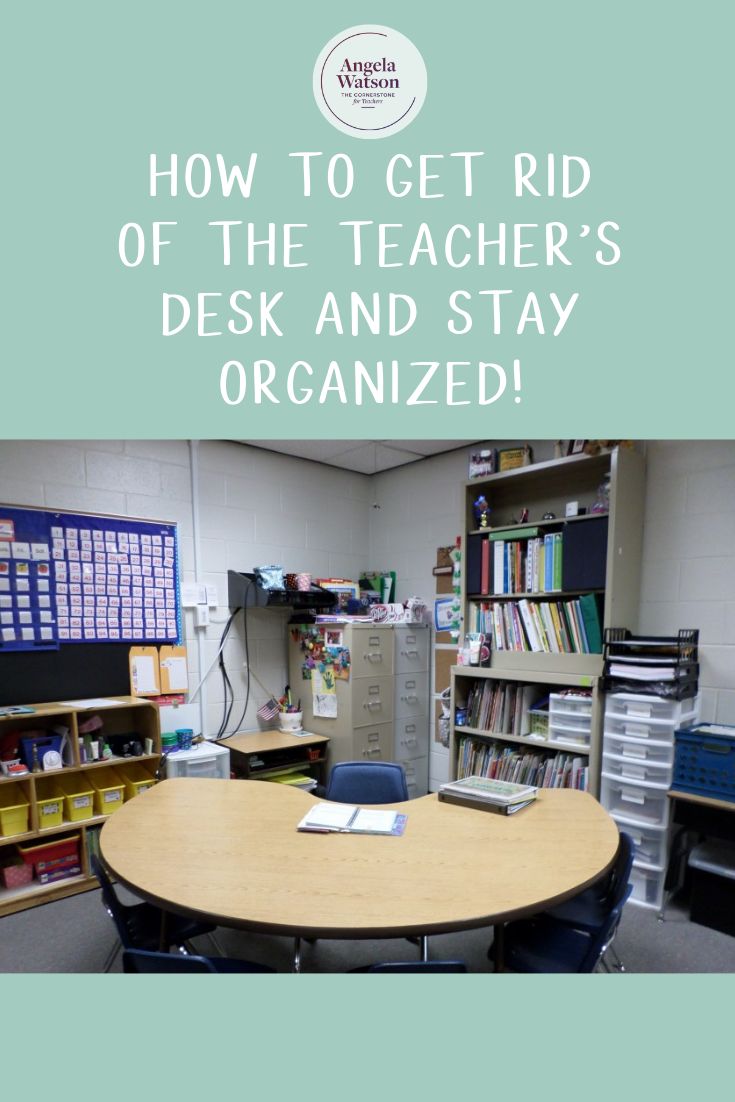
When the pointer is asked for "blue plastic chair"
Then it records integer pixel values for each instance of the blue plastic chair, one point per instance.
(573, 936)
(367, 782)
(139, 924)
(143, 960)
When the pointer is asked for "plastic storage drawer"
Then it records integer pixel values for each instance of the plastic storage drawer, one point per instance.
(569, 734)
(639, 706)
(640, 803)
(651, 843)
(15, 810)
(658, 730)
(109, 791)
(648, 751)
(78, 798)
(51, 855)
(639, 772)
(570, 705)
(648, 887)
(50, 803)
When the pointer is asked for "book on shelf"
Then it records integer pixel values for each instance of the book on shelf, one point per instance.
(327, 818)
(569, 626)
(491, 791)
(542, 768)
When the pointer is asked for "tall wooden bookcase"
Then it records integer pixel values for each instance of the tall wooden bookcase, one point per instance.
(544, 488)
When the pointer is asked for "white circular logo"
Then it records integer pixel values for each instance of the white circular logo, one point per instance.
(370, 81)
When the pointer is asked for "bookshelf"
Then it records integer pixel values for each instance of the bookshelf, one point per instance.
(541, 635)
(71, 797)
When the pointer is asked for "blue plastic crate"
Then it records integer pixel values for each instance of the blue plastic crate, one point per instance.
(704, 761)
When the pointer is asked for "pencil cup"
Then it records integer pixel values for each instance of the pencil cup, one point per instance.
(290, 721)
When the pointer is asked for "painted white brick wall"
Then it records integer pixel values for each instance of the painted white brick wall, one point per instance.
(689, 557)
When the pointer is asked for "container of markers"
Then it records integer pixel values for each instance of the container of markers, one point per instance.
(290, 721)
(185, 737)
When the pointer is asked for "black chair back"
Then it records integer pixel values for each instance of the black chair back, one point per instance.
(367, 782)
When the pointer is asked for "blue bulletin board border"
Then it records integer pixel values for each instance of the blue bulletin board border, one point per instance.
(68, 577)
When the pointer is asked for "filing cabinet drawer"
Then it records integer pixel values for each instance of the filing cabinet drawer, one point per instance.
(372, 701)
(412, 694)
(417, 776)
(412, 649)
(372, 652)
(410, 737)
(374, 743)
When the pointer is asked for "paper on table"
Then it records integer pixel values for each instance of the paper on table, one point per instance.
(93, 702)
(329, 816)
(373, 822)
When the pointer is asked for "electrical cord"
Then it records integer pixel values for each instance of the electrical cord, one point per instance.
(239, 723)
(225, 679)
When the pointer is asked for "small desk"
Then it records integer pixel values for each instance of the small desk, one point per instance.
(277, 751)
(229, 852)
(694, 815)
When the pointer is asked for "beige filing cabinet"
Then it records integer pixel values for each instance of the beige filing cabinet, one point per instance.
(382, 709)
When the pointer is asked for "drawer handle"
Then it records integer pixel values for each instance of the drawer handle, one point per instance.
(370, 657)
(373, 704)
(411, 741)
(374, 750)
(410, 653)
(410, 696)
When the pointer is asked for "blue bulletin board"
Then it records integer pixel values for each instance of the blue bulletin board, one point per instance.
(82, 578)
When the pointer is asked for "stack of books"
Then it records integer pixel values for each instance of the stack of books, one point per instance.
(486, 794)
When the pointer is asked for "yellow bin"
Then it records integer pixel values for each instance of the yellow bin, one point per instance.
(15, 810)
(108, 790)
(78, 798)
(137, 779)
(50, 802)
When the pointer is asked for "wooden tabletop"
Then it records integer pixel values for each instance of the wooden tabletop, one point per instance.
(259, 742)
(229, 851)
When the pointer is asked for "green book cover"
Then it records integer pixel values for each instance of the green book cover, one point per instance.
(591, 618)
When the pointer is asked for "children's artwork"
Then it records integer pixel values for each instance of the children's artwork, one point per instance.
(339, 657)
(324, 693)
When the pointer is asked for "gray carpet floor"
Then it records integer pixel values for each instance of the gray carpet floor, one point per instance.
(76, 935)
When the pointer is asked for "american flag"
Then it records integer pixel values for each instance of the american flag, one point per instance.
(269, 710)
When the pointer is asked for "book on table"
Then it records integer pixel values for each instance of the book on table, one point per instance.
(486, 792)
(326, 818)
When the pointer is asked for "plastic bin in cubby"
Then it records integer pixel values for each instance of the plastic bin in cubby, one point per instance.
(704, 761)
(15, 810)
(43, 742)
(50, 855)
(50, 803)
(136, 779)
(640, 750)
(641, 803)
(16, 875)
(569, 733)
(109, 790)
(538, 723)
(78, 797)
(640, 772)
(637, 706)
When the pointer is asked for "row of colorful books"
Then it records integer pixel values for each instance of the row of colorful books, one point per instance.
(507, 763)
(550, 627)
(521, 566)
(500, 706)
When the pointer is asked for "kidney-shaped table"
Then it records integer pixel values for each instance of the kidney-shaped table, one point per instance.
(229, 852)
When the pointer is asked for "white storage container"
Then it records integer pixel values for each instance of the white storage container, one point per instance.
(651, 843)
(640, 772)
(638, 706)
(570, 705)
(206, 759)
(648, 887)
(568, 735)
(660, 730)
(640, 750)
(640, 803)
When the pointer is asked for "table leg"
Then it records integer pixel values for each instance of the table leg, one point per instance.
(499, 948)
(163, 933)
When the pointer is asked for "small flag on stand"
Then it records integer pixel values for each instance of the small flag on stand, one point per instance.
(269, 710)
